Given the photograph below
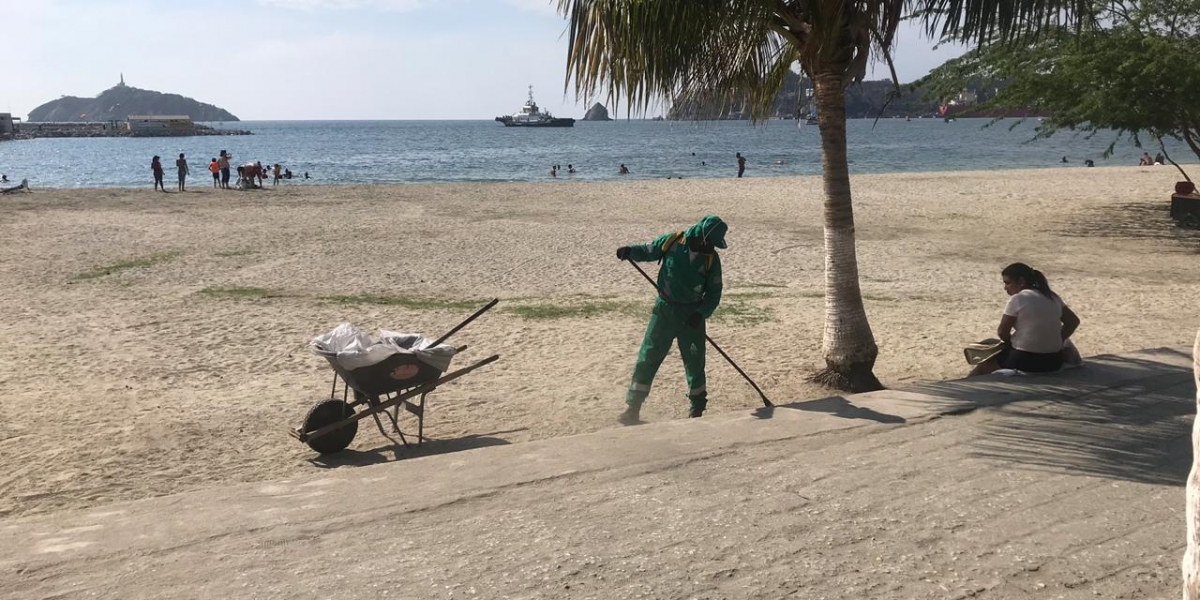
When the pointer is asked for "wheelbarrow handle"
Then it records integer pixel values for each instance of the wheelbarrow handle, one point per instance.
(494, 302)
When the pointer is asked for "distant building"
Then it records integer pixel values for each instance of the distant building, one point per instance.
(7, 127)
(137, 123)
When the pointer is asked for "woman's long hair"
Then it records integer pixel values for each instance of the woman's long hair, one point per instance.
(1033, 278)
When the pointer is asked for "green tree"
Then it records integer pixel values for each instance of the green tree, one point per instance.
(1137, 75)
(706, 51)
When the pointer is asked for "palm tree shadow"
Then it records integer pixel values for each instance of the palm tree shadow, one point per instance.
(1131, 433)
(398, 451)
(837, 406)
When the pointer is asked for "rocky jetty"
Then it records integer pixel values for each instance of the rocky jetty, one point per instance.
(120, 101)
(597, 113)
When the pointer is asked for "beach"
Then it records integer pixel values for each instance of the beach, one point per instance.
(156, 343)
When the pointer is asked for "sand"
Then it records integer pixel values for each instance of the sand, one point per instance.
(156, 343)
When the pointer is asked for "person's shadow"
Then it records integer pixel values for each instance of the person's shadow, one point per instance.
(834, 405)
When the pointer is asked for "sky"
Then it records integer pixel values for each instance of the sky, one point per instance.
(315, 59)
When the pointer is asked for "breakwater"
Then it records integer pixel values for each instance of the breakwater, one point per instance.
(31, 131)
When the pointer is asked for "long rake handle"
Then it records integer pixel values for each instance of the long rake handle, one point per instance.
(766, 401)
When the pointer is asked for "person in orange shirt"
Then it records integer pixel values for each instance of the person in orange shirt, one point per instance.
(216, 172)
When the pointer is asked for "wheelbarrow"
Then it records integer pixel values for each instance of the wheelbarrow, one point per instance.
(376, 389)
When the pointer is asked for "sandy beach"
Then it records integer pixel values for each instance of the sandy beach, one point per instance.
(155, 343)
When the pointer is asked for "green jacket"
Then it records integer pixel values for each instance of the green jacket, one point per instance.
(685, 282)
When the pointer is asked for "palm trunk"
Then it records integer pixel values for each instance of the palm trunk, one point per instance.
(847, 343)
(1191, 557)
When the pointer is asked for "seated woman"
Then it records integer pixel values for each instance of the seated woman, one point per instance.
(1035, 324)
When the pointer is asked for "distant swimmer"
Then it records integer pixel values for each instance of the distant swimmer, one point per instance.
(306, 174)
(570, 169)
(624, 170)
(554, 170)
(1065, 159)
(1089, 163)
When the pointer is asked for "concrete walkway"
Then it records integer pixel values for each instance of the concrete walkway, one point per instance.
(1065, 486)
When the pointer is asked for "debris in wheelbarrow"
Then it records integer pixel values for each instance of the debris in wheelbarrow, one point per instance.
(384, 372)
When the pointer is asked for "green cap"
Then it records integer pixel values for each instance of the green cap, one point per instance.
(710, 228)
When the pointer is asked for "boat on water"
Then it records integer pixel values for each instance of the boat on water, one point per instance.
(531, 116)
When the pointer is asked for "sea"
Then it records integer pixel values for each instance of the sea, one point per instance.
(404, 152)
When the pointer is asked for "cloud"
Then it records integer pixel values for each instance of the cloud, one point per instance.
(313, 5)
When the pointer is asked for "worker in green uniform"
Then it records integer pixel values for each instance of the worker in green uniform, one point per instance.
(689, 283)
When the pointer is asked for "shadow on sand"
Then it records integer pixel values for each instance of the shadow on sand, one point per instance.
(1135, 221)
(834, 405)
(398, 451)
(1138, 431)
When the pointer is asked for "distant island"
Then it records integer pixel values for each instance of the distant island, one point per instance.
(119, 102)
(597, 113)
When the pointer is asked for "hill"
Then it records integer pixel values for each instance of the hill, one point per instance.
(120, 101)
(863, 100)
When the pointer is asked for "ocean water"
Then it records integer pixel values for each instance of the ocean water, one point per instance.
(345, 152)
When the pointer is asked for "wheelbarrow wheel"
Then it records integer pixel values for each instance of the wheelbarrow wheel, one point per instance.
(328, 412)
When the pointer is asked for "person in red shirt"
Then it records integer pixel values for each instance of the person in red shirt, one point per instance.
(215, 169)
(157, 169)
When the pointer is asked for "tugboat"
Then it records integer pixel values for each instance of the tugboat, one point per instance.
(530, 116)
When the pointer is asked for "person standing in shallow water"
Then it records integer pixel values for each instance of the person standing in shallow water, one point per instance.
(223, 163)
(182, 166)
(215, 169)
(157, 168)
(741, 160)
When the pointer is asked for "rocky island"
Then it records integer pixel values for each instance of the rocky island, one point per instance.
(124, 111)
(597, 113)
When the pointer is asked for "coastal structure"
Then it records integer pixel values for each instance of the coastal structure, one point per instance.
(134, 126)
(158, 123)
(7, 126)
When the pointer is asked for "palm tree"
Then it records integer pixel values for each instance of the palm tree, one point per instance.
(702, 52)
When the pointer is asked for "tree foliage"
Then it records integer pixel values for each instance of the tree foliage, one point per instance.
(1138, 74)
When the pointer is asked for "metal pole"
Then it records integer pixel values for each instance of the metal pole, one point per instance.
(466, 322)
(766, 402)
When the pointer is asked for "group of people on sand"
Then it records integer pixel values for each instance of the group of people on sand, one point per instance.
(1146, 161)
(1034, 331)
(221, 170)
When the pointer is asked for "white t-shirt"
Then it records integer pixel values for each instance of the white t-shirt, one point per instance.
(1039, 322)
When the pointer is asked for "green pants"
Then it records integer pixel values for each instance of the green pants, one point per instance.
(667, 324)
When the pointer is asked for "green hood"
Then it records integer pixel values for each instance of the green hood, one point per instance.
(711, 228)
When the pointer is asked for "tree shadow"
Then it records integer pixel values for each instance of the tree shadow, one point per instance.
(1127, 418)
(1135, 433)
(398, 451)
(1135, 221)
(837, 406)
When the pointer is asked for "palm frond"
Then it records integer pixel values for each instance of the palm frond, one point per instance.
(701, 51)
(1002, 21)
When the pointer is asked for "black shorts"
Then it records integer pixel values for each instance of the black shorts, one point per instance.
(1030, 362)
(224, 175)
(216, 176)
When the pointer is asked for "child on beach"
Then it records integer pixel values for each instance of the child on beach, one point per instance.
(157, 168)
(215, 169)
